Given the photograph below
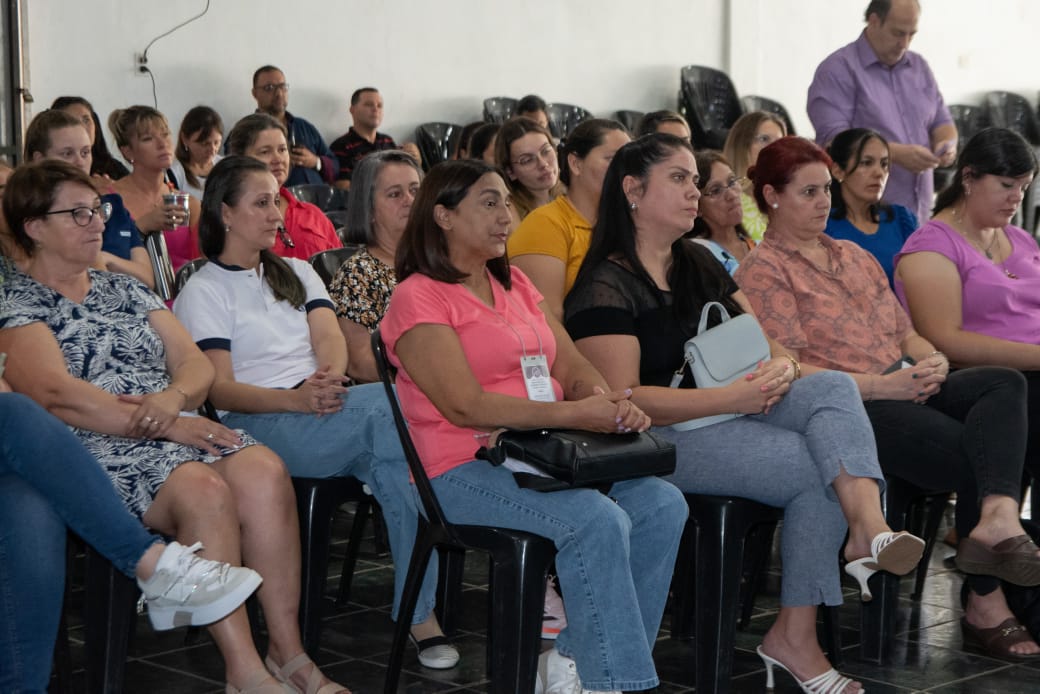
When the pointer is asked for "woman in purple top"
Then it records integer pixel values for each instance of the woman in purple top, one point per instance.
(860, 170)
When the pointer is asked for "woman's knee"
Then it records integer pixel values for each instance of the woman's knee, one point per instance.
(197, 486)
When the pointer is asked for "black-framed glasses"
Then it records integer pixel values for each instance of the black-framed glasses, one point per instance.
(721, 188)
(272, 88)
(83, 216)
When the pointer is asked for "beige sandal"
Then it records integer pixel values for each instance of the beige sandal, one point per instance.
(255, 685)
(314, 685)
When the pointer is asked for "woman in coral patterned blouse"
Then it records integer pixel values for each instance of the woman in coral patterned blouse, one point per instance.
(828, 302)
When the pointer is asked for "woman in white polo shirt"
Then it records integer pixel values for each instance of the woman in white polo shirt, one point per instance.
(270, 329)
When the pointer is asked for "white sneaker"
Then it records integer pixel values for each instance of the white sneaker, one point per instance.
(557, 674)
(187, 590)
(554, 618)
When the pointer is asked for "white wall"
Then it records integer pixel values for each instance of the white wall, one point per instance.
(438, 59)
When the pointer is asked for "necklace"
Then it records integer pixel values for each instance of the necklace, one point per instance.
(959, 227)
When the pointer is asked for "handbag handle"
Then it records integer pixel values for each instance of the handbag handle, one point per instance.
(706, 311)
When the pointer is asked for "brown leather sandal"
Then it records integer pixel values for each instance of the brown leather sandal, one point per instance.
(1014, 560)
(997, 641)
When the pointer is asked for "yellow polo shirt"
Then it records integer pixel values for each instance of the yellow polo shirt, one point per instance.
(558, 230)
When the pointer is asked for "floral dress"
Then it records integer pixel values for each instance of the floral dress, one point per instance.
(108, 341)
(361, 289)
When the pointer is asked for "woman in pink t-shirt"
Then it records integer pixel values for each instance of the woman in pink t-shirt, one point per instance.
(463, 327)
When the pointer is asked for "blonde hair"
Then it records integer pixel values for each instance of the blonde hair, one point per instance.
(738, 143)
(128, 123)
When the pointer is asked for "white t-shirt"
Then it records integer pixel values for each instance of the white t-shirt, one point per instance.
(232, 308)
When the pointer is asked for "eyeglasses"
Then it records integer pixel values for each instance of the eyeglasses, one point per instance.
(272, 88)
(546, 153)
(721, 188)
(83, 216)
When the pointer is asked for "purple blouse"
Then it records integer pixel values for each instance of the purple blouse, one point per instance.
(992, 303)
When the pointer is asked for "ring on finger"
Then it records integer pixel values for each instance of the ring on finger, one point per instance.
(154, 423)
(210, 437)
(146, 419)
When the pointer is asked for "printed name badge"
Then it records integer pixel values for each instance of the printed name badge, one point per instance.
(536, 378)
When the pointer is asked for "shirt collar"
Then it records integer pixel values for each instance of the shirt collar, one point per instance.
(788, 248)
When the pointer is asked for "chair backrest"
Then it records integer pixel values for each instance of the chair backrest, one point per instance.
(1013, 111)
(338, 200)
(326, 263)
(763, 103)
(564, 117)
(162, 267)
(499, 109)
(969, 119)
(315, 193)
(185, 273)
(437, 142)
(339, 220)
(629, 119)
(708, 100)
(431, 506)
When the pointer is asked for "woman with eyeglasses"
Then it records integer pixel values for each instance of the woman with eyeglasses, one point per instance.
(551, 242)
(305, 230)
(56, 134)
(525, 151)
(143, 137)
(719, 224)
(860, 172)
(745, 140)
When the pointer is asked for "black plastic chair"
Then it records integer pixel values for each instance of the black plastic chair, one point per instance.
(185, 273)
(519, 566)
(629, 119)
(1013, 111)
(338, 201)
(708, 100)
(763, 103)
(109, 619)
(499, 109)
(319, 194)
(437, 142)
(969, 119)
(327, 263)
(907, 507)
(564, 117)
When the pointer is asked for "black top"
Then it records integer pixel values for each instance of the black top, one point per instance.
(615, 301)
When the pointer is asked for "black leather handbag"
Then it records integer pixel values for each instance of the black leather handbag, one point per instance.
(574, 458)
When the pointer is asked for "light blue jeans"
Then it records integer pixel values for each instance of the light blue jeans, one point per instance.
(48, 481)
(615, 556)
(361, 441)
(789, 458)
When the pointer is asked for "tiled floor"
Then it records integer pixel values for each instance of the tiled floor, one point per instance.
(926, 655)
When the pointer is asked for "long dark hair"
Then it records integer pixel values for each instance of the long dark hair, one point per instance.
(424, 248)
(993, 151)
(204, 121)
(846, 149)
(694, 274)
(102, 162)
(224, 187)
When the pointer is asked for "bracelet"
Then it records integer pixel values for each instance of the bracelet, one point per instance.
(177, 388)
(797, 367)
(937, 353)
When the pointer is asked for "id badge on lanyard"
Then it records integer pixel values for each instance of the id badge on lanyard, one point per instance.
(536, 378)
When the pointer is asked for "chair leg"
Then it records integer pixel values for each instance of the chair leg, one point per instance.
(357, 531)
(682, 600)
(109, 597)
(756, 562)
(449, 587)
(832, 636)
(720, 551)
(934, 506)
(517, 576)
(878, 615)
(409, 597)
(315, 512)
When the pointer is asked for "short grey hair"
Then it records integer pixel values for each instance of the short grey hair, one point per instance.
(362, 200)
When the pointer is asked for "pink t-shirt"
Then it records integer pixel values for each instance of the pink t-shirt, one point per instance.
(491, 341)
(992, 303)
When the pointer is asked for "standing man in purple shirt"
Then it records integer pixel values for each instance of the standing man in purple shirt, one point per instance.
(877, 82)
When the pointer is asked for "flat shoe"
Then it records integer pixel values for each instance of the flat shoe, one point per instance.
(255, 685)
(997, 641)
(284, 675)
(1014, 560)
(436, 653)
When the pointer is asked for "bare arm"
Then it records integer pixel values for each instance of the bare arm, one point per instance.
(330, 347)
(362, 364)
(549, 274)
(138, 265)
(933, 291)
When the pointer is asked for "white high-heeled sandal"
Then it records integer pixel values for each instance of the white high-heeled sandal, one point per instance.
(830, 682)
(896, 553)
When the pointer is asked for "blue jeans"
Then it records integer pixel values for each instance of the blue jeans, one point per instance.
(788, 458)
(361, 441)
(48, 481)
(614, 560)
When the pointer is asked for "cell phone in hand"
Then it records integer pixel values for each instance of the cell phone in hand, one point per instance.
(944, 147)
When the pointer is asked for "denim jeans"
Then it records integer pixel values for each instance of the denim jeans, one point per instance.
(47, 482)
(789, 458)
(361, 441)
(969, 437)
(615, 556)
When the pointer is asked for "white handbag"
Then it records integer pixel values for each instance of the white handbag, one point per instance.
(721, 355)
